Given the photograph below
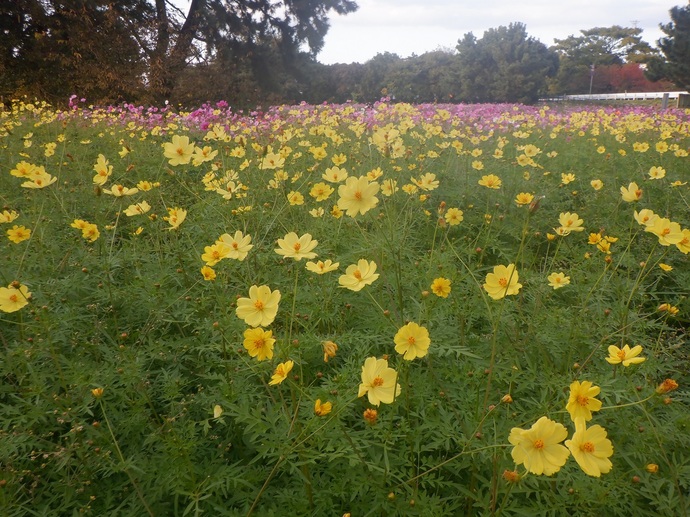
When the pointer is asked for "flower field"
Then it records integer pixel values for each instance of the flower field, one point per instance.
(391, 309)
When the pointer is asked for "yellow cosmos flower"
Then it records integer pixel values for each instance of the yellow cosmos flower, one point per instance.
(441, 287)
(90, 232)
(357, 196)
(239, 245)
(665, 267)
(296, 247)
(684, 244)
(40, 181)
(175, 217)
(490, 181)
(215, 253)
(358, 275)
(7, 217)
(567, 178)
(120, 191)
(502, 281)
(295, 198)
(454, 216)
(14, 297)
(477, 165)
(591, 449)
(570, 222)
(281, 372)
(597, 184)
(137, 209)
(321, 191)
(329, 350)
(524, 198)
(656, 173)
(539, 448)
(179, 151)
(625, 355)
(334, 174)
(322, 409)
(18, 234)
(23, 170)
(378, 382)
(201, 155)
(208, 273)
(581, 402)
(103, 170)
(389, 187)
(260, 308)
(632, 193)
(645, 217)
(558, 280)
(259, 343)
(667, 231)
(412, 341)
(426, 182)
(322, 267)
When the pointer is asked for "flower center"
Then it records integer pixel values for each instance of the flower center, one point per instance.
(539, 444)
(259, 343)
(411, 340)
(582, 400)
(503, 282)
(14, 298)
(259, 305)
(180, 151)
(378, 381)
(357, 274)
(235, 245)
(621, 354)
(297, 246)
(358, 196)
(587, 447)
(665, 231)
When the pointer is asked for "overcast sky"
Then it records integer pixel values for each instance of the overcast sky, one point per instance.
(405, 27)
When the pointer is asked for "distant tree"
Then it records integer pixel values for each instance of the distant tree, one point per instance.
(107, 49)
(505, 65)
(53, 49)
(581, 56)
(675, 47)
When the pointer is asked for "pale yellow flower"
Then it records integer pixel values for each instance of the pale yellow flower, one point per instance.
(379, 382)
(357, 196)
(625, 356)
(260, 308)
(297, 248)
(502, 281)
(558, 280)
(539, 448)
(322, 267)
(631, 193)
(490, 181)
(179, 151)
(281, 372)
(412, 340)
(239, 245)
(591, 449)
(14, 297)
(359, 275)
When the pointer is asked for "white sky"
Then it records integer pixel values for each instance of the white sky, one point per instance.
(405, 27)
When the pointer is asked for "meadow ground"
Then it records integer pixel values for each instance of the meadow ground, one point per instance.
(344, 309)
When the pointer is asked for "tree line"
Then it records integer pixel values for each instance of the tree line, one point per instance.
(260, 52)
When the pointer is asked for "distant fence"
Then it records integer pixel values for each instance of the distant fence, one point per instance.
(682, 98)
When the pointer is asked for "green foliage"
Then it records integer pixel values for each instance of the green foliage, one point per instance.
(504, 65)
(187, 423)
(675, 47)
